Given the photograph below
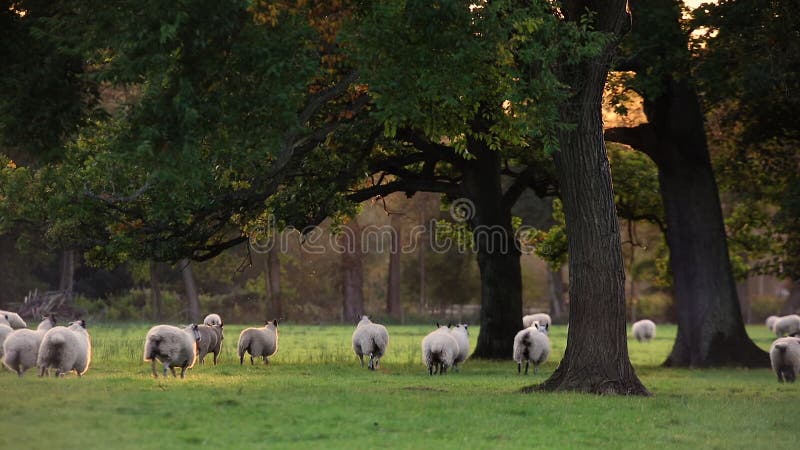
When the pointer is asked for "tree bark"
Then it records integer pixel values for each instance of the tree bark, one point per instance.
(66, 281)
(596, 358)
(352, 272)
(155, 291)
(273, 277)
(192, 299)
(556, 288)
(394, 306)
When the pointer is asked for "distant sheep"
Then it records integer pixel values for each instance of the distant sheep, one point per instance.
(461, 334)
(261, 342)
(173, 347)
(784, 355)
(644, 330)
(212, 319)
(12, 319)
(439, 350)
(65, 349)
(531, 345)
(787, 325)
(210, 341)
(542, 318)
(771, 322)
(370, 339)
(21, 348)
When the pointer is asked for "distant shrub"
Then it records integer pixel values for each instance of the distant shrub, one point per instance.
(763, 306)
(654, 306)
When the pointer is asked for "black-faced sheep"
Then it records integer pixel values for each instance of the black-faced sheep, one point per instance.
(439, 350)
(370, 339)
(531, 345)
(21, 348)
(784, 355)
(644, 330)
(65, 349)
(257, 342)
(173, 347)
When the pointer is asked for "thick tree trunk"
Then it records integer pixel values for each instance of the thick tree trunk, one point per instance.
(155, 291)
(66, 281)
(498, 255)
(352, 272)
(192, 299)
(394, 306)
(272, 275)
(596, 358)
(556, 289)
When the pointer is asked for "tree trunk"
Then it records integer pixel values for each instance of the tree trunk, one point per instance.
(66, 281)
(498, 255)
(155, 291)
(394, 306)
(556, 288)
(352, 272)
(273, 277)
(192, 299)
(596, 358)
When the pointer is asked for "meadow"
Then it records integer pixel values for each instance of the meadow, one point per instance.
(313, 394)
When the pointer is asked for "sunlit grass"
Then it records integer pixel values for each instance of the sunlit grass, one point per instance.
(314, 394)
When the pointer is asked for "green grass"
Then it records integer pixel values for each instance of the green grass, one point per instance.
(314, 395)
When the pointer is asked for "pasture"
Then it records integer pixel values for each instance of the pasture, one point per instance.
(314, 395)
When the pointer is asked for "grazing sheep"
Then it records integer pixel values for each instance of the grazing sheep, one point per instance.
(531, 345)
(784, 354)
(644, 330)
(439, 350)
(21, 348)
(259, 342)
(65, 349)
(461, 335)
(12, 319)
(212, 319)
(370, 339)
(173, 347)
(771, 322)
(210, 341)
(5, 330)
(787, 325)
(542, 318)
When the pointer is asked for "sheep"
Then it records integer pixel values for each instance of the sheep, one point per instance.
(644, 330)
(784, 355)
(787, 325)
(21, 348)
(531, 345)
(370, 339)
(771, 322)
(173, 347)
(5, 330)
(12, 319)
(439, 350)
(542, 318)
(210, 341)
(259, 342)
(65, 349)
(213, 319)
(461, 335)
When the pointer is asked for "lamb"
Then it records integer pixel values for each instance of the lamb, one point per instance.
(644, 330)
(259, 342)
(784, 355)
(65, 349)
(173, 347)
(212, 319)
(787, 325)
(210, 341)
(531, 345)
(771, 322)
(542, 318)
(439, 350)
(21, 348)
(12, 319)
(461, 335)
(370, 339)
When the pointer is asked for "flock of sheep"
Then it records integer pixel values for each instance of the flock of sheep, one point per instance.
(69, 348)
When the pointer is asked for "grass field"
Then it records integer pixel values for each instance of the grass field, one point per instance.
(314, 395)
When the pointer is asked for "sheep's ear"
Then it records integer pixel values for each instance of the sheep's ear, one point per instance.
(194, 326)
(449, 325)
(275, 322)
(547, 326)
(437, 325)
(82, 323)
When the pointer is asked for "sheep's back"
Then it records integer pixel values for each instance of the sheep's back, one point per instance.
(441, 343)
(787, 325)
(58, 348)
(790, 356)
(542, 318)
(173, 343)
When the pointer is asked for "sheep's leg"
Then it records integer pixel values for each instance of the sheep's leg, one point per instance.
(266, 360)
(174, 375)
(251, 360)
(371, 364)
(241, 359)
(526, 367)
(153, 366)
(519, 368)
(215, 358)
(535, 368)
(183, 371)
(430, 369)
(361, 358)
(166, 367)
(43, 369)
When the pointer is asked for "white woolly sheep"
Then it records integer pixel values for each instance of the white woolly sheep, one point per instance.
(173, 347)
(261, 342)
(461, 334)
(439, 350)
(21, 348)
(65, 349)
(12, 319)
(210, 342)
(370, 339)
(644, 330)
(5, 330)
(784, 355)
(770, 322)
(531, 345)
(212, 319)
(542, 318)
(787, 325)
